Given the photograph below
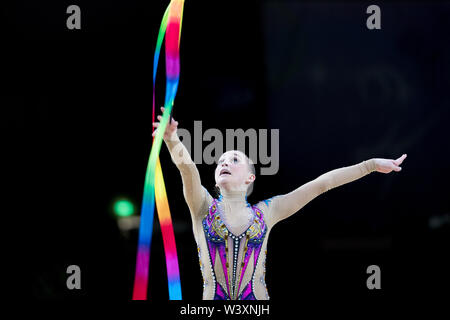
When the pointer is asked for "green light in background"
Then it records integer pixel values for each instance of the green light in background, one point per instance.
(123, 208)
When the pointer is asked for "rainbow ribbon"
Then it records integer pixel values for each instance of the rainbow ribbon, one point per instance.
(154, 181)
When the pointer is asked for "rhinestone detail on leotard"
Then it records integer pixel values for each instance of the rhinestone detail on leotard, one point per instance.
(217, 234)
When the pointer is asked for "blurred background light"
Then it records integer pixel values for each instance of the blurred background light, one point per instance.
(123, 208)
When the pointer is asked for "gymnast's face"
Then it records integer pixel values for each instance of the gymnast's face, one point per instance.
(233, 171)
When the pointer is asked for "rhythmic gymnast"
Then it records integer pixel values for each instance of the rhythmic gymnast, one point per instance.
(231, 234)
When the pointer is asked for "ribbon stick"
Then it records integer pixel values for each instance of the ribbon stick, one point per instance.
(154, 181)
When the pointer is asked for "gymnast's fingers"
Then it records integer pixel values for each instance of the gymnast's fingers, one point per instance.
(400, 160)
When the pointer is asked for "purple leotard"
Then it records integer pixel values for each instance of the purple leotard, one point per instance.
(242, 248)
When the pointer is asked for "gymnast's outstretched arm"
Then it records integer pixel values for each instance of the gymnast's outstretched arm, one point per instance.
(286, 205)
(193, 191)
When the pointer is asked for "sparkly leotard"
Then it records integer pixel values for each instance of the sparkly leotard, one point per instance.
(233, 264)
(225, 247)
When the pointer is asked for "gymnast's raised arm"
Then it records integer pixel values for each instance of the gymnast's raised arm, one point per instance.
(286, 205)
(193, 191)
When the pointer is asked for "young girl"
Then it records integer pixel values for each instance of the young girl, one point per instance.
(231, 234)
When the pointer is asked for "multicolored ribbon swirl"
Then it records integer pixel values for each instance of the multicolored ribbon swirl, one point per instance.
(154, 181)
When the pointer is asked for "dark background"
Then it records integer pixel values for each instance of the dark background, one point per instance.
(76, 115)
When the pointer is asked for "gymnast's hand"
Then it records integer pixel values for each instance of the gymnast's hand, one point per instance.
(387, 165)
(171, 128)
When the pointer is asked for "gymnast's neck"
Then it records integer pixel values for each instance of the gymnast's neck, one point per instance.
(233, 196)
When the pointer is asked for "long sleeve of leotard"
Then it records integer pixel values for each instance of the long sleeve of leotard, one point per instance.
(193, 191)
(285, 205)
